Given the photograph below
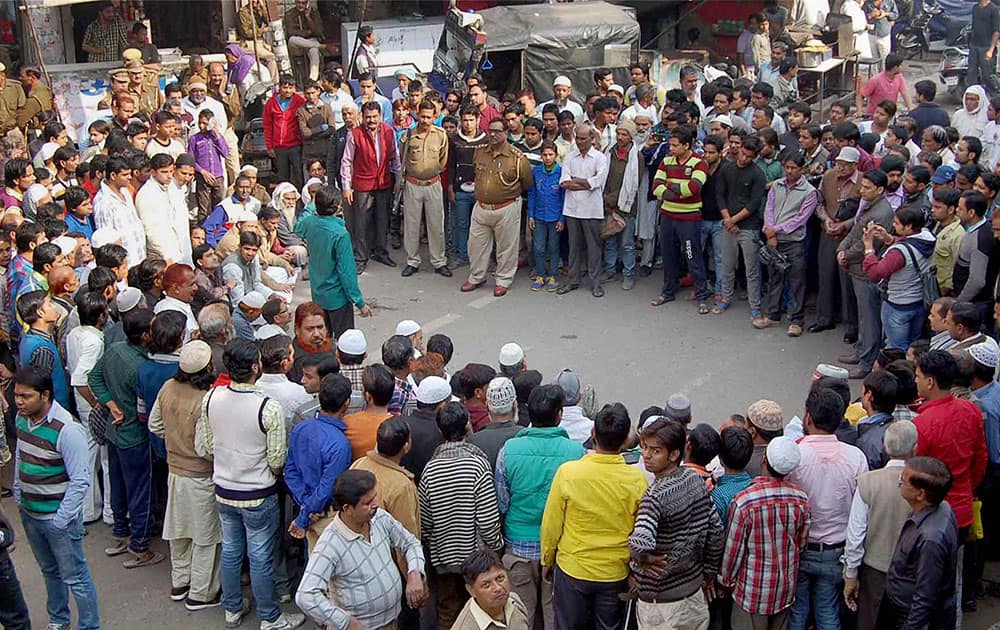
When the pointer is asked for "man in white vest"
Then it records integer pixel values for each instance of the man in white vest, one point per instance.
(244, 431)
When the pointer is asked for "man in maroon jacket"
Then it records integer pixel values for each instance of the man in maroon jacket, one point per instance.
(281, 131)
(369, 173)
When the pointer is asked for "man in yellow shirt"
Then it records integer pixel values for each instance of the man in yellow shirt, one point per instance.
(587, 558)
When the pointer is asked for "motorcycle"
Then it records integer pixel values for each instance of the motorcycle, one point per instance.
(955, 64)
(931, 30)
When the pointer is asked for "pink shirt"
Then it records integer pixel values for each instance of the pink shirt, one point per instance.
(880, 88)
(828, 472)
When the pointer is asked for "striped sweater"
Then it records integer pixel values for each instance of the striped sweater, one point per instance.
(678, 520)
(458, 505)
(678, 187)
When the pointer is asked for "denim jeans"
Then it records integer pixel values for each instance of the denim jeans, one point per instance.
(621, 246)
(545, 246)
(712, 230)
(59, 554)
(131, 494)
(13, 609)
(819, 587)
(251, 531)
(902, 325)
(461, 213)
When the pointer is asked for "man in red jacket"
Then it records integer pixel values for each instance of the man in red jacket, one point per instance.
(951, 430)
(281, 131)
(369, 173)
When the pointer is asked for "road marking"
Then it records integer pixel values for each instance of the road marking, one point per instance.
(440, 322)
(481, 302)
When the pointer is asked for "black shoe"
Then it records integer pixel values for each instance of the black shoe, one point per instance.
(818, 327)
(361, 267)
(443, 271)
(850, 339)
(645, 271)
(384, 259)
(566, 288)
(408, 271)
(597, 291)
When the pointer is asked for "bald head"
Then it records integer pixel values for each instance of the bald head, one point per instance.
(63, 280)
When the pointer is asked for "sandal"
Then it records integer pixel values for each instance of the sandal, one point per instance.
(703, 308)
(136, 562)
(720, 307)
(660, 300)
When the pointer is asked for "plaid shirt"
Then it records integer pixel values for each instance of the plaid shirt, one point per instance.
(21, 279)
(118, 212)
(404, 399)
(354, 373)
(768, 529)
(110, 37)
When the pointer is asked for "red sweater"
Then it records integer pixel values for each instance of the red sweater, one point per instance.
(951, 430)
(281, 129)
(368, 173)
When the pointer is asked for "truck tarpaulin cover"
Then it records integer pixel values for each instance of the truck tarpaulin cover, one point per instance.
(557, 37)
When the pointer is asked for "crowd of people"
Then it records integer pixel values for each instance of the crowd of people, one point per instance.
(157, 374)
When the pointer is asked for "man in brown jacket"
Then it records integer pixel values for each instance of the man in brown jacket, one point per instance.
(316, 124)
(838, 194)
(425, 156)
(303, 32)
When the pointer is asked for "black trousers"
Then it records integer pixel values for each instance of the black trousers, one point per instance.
(13, 610)
(680, 241)
(288, 165)
(339, 320)
(585, 247)
(368, 222)
(580, 604)
(828, 278)
(795, 275)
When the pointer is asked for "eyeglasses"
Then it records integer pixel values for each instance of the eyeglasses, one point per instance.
(495, 131)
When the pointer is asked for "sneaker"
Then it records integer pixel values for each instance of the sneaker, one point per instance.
(179, 593)
(551, 284)
(58, 626)
(285, 621)
(194, 604)
(285, 598)
(234, 619)
(537, 283)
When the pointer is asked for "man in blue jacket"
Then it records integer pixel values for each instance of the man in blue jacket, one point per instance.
(318, 451)
(545, 218)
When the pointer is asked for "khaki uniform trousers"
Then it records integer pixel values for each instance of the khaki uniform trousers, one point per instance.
(502, 226)
(418, 202)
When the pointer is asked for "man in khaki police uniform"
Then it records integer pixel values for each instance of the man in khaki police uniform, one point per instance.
(149, 96)
(38, 99)
(503, 174)
(12, 100)
(425, 156)
(119, 84)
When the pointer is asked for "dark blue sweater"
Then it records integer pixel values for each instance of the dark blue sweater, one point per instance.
(545, 197)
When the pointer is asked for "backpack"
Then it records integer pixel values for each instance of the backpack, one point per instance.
(928, 277)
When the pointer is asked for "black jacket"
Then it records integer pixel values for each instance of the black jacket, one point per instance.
(424, 440)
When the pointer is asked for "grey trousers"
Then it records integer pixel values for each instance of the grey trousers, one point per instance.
(796, 277)
(368, 223)
(418, 202)
(526, 580)
(869, 321)
(871, 588)
(747, 240)
(742, 620)
(585, 247)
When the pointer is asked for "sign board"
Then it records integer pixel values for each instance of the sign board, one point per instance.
(402, 43)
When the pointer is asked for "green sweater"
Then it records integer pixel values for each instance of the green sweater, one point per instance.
(333, 275)
(115, 377)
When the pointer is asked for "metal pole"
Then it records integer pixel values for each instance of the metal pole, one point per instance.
(357, 39)
(41, 58)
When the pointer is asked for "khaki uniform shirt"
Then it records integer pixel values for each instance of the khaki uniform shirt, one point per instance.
(151, 98)
(473, 617)
(501, 177)
(39, 100)
(231, 103)
(245, 23)
(425, 155)
(12, 101)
